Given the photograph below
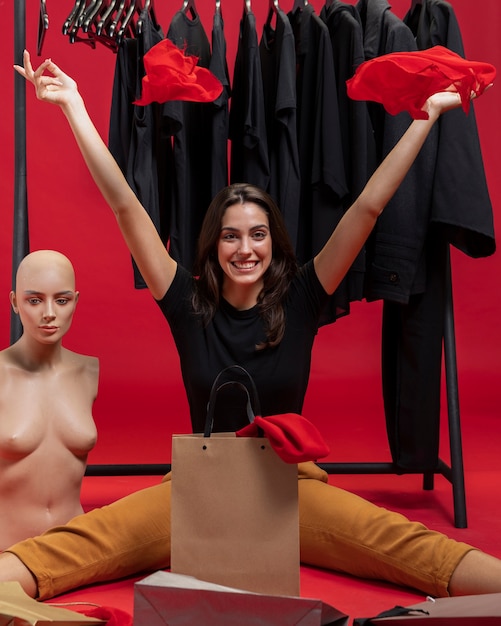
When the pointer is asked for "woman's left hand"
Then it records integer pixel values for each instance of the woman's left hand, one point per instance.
(55, 87)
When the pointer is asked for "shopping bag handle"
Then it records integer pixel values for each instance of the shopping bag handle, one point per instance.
(252, 407)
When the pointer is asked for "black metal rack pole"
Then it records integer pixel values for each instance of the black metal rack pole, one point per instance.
(20, 243)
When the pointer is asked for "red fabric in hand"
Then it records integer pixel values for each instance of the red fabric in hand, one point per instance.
(403, 81)
(171, 75)
(292, 436)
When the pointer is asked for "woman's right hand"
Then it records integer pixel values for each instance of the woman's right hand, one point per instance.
(56, 88)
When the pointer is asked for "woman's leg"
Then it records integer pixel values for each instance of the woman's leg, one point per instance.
(343, 532)
(129, 536)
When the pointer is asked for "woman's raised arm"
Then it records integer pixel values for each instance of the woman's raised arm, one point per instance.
(54, 86)
(336, 257)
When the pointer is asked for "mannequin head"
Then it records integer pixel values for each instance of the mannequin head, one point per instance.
(44, 295)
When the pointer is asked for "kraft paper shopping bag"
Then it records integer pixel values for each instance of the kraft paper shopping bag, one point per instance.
(234, 512)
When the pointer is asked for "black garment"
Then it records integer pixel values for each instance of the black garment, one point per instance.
(460, 200)
(395, 251)
(134, 136)
(280, 373)
(357, 137)
(412, 365)
(347, 40)
(278, 67)
(190, 125)
(220, 117)
(323, 181)
(413, 331)
(397, 272)
(249, 148)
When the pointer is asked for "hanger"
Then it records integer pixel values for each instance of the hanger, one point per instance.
(218, 7)
(148, 9)
(77, 9)
(127, 22)
(93, 21)
(248, 6)
(91, 12)
(299, 5)
(119, 15)
(43, 25)
(189, 5)
(106, 17)
(273, 9)
(73, 24)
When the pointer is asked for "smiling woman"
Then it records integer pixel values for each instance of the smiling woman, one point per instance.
(46, 397)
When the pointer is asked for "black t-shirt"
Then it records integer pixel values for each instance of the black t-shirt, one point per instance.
(190, 125)
(278, 68)
(249, 144)
(280, 373)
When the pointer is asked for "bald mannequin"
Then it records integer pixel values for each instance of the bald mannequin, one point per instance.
(46, 398)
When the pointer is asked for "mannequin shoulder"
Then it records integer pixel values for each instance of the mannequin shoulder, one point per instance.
(82, 363)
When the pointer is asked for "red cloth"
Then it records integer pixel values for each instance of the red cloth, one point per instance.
(170, 75)
(292, 436)
(402, 81)
(112, 615)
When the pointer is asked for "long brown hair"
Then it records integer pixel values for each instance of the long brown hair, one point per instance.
(277, 277)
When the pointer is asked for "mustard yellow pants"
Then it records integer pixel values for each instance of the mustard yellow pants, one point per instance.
(338, 531)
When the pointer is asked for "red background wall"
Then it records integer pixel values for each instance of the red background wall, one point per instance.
(141, 400)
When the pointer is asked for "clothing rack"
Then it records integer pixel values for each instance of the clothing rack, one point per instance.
(453, 473)
(20, 244)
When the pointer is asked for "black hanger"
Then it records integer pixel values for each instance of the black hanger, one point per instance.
(247, 6)
(273, 6)
(218, 7)
(43, 25)
(127, 26)
(89, 15)
(93, 21)
(189, 5)
(106, 17)
(299, 5)
(273, 9)
(77, 9)
(73, 24)
(119, 16)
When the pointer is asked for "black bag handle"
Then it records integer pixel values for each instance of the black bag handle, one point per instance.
(253, 406)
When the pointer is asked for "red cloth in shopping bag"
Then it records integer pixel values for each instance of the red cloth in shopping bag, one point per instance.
(294, 438)
(172, 75)
(403, 81)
